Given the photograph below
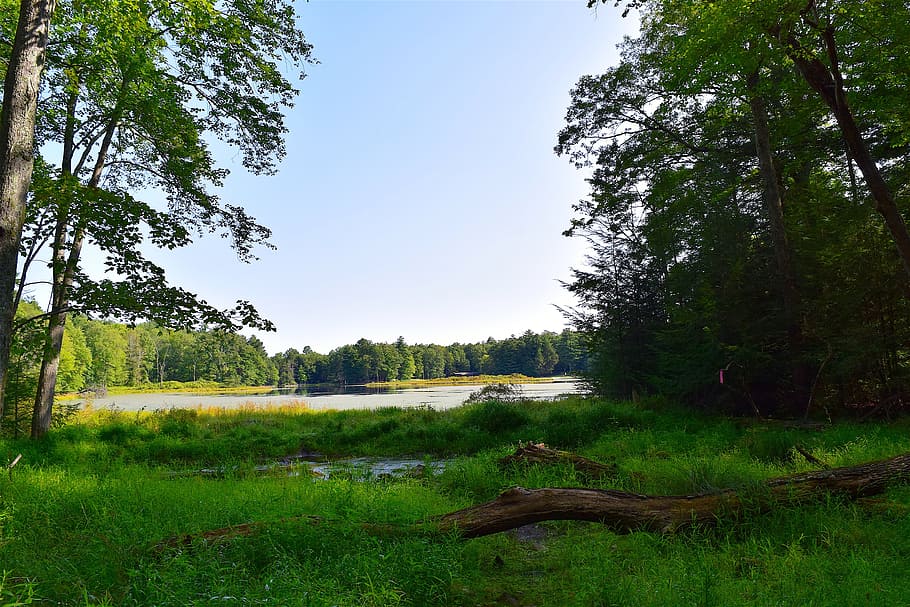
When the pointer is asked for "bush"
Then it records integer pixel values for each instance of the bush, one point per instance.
(504, 393)
(496, 416)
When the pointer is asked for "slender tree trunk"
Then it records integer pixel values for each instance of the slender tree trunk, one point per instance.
(17, 142)
(50, 362)
(64, 272)
(828, 83)
(783, 253)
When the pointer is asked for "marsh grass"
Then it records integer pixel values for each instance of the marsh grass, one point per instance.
(82, 517)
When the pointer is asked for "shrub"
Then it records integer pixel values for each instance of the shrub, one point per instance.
(504, 393)
(496, 416)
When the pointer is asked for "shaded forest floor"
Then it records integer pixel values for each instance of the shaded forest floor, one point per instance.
(84, 515)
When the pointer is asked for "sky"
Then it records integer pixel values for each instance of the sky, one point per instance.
(420, 195)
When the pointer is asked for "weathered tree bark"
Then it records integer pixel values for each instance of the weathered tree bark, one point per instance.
(533, 453)
(828, 83)
(625, 512)
(621, 511)
(17, 142)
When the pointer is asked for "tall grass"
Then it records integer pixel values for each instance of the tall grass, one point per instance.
(84, 516)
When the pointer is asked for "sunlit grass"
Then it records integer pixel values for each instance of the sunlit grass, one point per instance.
(84, 515)
(196, 387)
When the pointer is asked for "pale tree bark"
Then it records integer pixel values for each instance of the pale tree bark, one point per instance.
(17, 142)
(626, 512)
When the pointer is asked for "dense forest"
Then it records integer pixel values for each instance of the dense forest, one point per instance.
(99, 353)
(749, 166)
(531, 354)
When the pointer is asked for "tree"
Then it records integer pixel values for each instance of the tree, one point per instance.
(721, 203)
(671, 217)
(809, 38)
(75, 360)
(287, 364)
(108, 344)
(132, 89)
(17, 141)
(824, 39)
(408, 368)
(25, 360)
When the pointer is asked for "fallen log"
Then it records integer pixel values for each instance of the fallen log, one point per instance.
(625, 512)
(226, 533)
(810, 458)
(622, 511)
(539, 453)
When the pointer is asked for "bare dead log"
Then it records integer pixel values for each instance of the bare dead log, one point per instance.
(810, 458)
(625, 512)
(226, 533)
(538, 453)
(621, 511)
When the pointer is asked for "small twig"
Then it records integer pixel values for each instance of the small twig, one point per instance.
(815, 382)
(13, 465)
(810, 458)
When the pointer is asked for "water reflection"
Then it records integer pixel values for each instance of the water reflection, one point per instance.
(332, 397)
(321, 390)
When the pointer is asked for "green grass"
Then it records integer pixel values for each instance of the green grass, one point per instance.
(82, 515)
(202, 386)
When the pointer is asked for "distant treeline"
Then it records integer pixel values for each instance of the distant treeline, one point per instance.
(99, 353)
(532, 354)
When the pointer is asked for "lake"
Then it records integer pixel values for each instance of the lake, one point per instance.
(348, 397)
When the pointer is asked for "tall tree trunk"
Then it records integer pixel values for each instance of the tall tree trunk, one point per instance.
(17, 142)
(50, 361)
(783, 253)
(828, 83)
(64, 271)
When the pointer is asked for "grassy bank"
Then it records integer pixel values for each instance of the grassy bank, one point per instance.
(81, 515)
(195, 387)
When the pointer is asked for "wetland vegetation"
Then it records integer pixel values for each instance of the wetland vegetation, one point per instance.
(86, 516)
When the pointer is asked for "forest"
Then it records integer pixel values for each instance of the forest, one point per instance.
(749, 167)
(97, 354)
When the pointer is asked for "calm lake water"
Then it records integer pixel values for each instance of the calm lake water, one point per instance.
(349, 397)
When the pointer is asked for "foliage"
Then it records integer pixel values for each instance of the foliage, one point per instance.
(98, 355)
(131, 94)
(504, 393)
(531, 354)
(684, 278)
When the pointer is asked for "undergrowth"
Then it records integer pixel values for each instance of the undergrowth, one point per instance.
(85, 516)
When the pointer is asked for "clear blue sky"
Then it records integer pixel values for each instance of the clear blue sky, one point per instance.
(420, 195)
